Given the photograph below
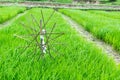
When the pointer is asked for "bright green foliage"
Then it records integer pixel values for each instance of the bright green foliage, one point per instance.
(9, 12)
(110, 14)
(76, 60)
(103, 27)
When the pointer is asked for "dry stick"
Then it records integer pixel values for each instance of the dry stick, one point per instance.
(47, 22)
(42, 17)
(56, 51)
(37, 43)
(40, 27)
(49, 19)
(57, 36)
(36, 31)
(27, 28)
(35, 20)
(48, 40)
(50, 33)
(21, 37)
(34, 23)
(50, 52)
(30, 27)
(30, 42)
(35, 46)
(24, 36)
(23, 47)
(35, 50)
(46, 35)
(52, 29)
(33, 39)
(24, 27)
(57, 44)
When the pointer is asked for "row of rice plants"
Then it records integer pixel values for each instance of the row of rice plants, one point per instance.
(76, 60)
(8, 12)
(110, 14)
(104, 28)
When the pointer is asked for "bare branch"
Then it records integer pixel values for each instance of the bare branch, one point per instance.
(42, 17)
(49, 19)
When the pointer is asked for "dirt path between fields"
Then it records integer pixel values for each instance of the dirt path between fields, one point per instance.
(105, 47)
(62, 5)
(10, 21)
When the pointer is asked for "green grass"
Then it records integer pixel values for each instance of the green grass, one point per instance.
(109, 14)
(103, 27)
(7, 13)
(78, 60)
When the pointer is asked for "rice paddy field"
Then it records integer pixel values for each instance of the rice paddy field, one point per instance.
(7, 13)
(78, 59)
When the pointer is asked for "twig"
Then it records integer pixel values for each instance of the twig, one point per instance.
(21, 37)
(42, 17)
(35, 20)
(49, 19)
(50, 33)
